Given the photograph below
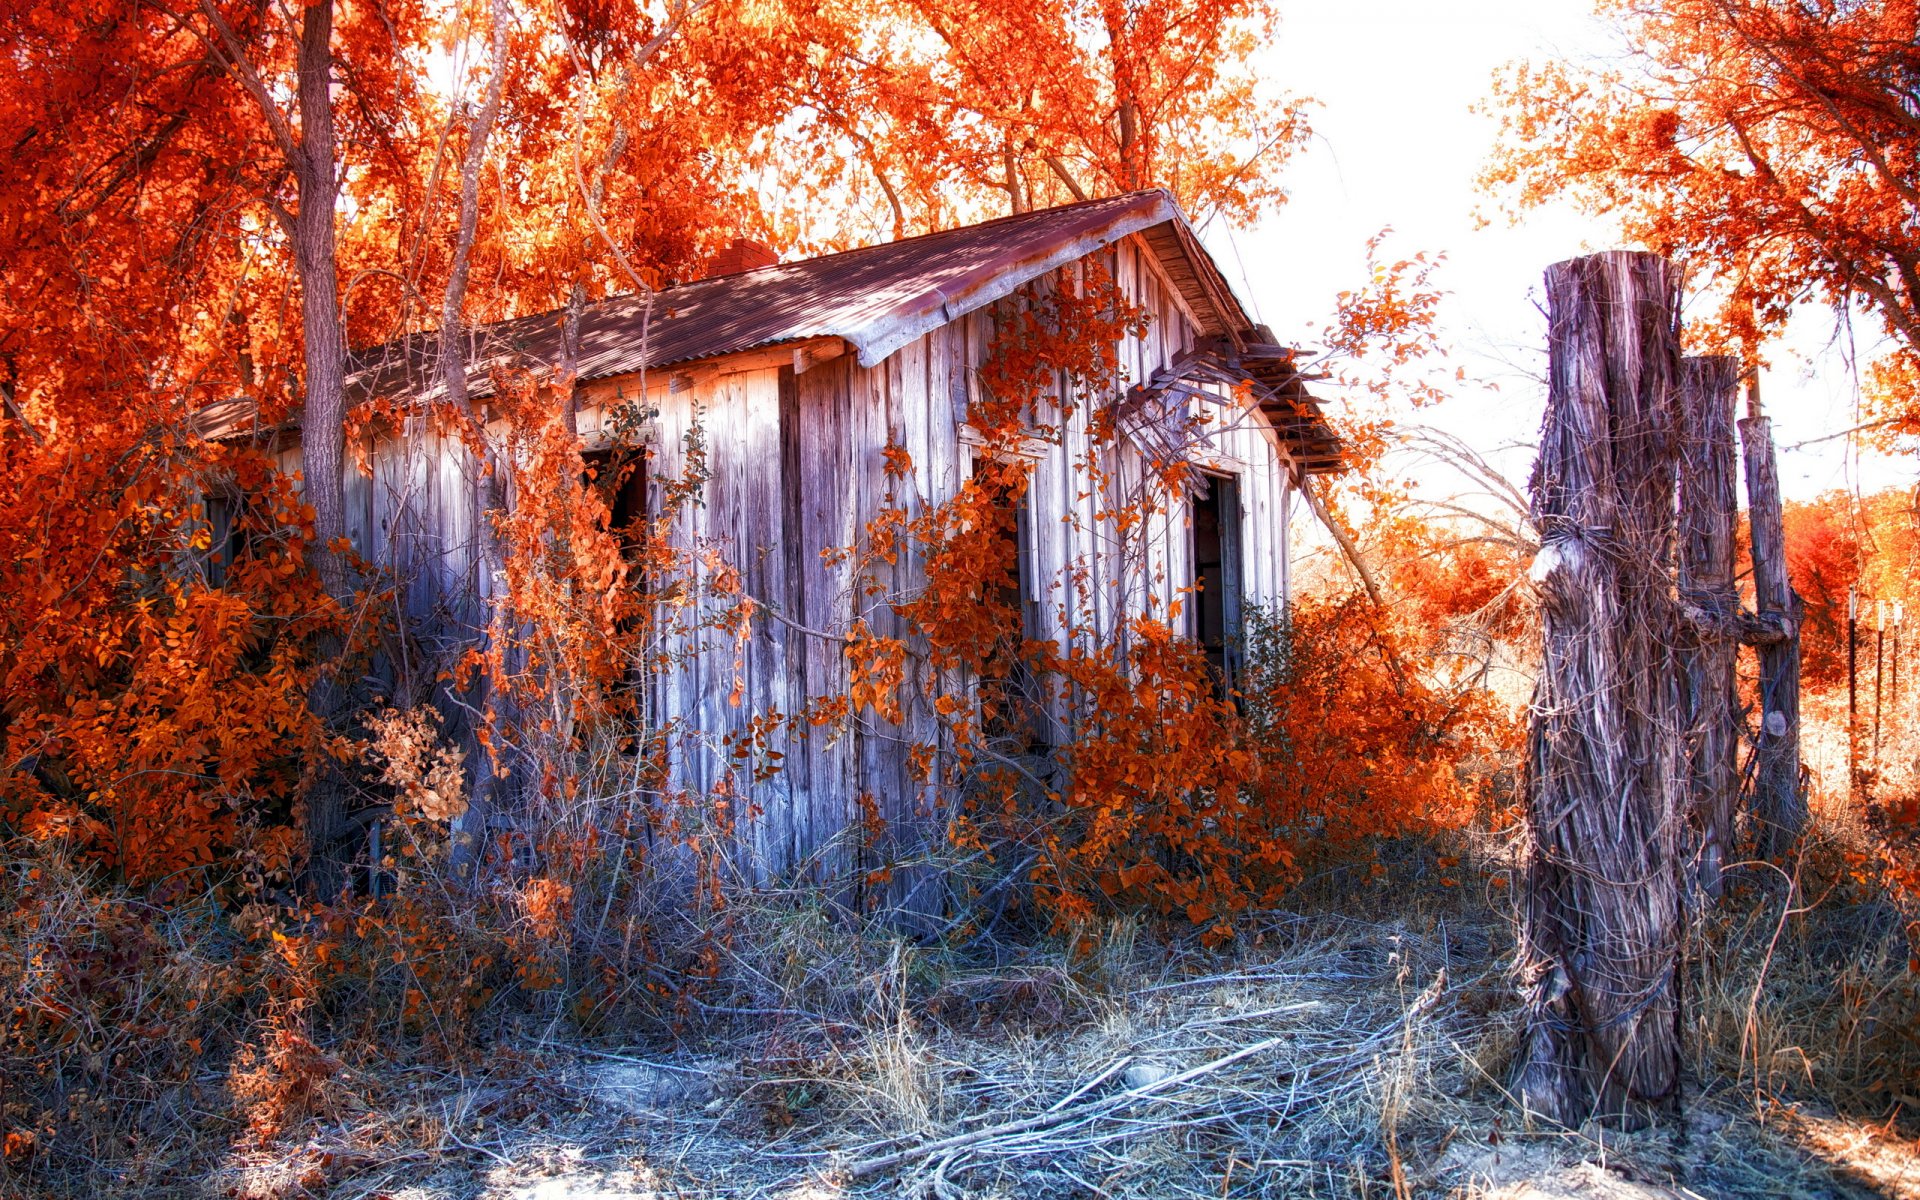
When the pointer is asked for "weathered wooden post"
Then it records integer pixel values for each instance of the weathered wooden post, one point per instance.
(1853, 694)
(1779, 804)
(1607, 795)
(1879, 675)
(1709, 506)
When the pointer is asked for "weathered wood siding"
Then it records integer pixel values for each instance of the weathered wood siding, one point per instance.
(797, 469)
(414, 506)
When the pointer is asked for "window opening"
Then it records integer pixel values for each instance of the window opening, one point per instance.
(1017, 708)
(1217, 574)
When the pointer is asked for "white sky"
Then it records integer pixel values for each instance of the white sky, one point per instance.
(1396, 144)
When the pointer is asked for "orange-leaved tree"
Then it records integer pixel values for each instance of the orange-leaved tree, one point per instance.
(1769, 144)
(966, 107)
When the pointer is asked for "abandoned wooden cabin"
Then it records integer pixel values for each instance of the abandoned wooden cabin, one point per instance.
(801, 375)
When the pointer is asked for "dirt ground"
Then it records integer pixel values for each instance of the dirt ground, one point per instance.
(1331, 1056)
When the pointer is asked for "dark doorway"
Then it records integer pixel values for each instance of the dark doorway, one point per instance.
(1216, 572)
(620, 476)
(226, 513)
(1013, 709)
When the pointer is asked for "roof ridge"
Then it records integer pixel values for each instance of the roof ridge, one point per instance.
(1004, 219)
(617, 298)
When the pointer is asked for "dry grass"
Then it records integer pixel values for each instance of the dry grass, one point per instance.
(1355, 1047)
(1142, 1068)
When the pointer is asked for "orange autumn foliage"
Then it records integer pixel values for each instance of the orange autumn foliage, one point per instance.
(1840, 548)
(152, 722)
(977, 105)
(1859, 715)
(1173, 791)
(1770, 145)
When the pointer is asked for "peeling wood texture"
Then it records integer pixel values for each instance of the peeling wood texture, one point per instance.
(1606, 801)
(1708, 511)
(1779, 801)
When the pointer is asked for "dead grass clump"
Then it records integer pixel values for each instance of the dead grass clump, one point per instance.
(1329, 1054)
(111, 1009)
(144, 1033)
(1805, 989)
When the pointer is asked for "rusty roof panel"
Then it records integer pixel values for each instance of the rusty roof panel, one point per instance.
(878, 298)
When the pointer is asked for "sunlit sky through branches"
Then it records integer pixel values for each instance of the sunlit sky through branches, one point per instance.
(1398, 143)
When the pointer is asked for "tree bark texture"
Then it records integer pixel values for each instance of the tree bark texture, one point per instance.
(1607, 796)
(1779, 802)
(1709, 506)
(470, 827)
(322, 430)
(323, 419)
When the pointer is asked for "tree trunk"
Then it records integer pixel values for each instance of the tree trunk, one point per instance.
(471, 826)
(1779, 804)
(1606, 798)
(322, 421)
(1709, 394)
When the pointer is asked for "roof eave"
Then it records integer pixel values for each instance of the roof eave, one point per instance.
(875, 340)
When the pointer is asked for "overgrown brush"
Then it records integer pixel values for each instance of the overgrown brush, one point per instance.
(1804, 986)
(115, 1010)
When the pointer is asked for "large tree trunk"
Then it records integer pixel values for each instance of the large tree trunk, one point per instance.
(1779, 804)
(322, 422)
(1606, 796)
(470, 828)
(1709, 506)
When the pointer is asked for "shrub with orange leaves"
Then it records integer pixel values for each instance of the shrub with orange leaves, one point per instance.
(1199, 803)
(1174, 790)
(155, 717)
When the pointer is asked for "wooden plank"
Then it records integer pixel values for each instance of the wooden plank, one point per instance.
(680, 683)
(889, 748)
(357, 488)
(960, 363)
(877, 777)
(834, 596)
(768, 691)
(1779, 804)
(791, 482)
(913, 405)
(818, 449)
(1286, 537)
(727, 659)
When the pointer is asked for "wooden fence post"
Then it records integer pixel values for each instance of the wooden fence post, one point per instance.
(1709, 506)
(1779, 804)
(1606, 795)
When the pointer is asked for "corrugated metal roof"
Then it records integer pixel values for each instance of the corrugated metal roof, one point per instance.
(877, 299)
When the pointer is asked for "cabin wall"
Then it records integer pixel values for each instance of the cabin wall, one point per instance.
(797, 467)
(414, 508)
(827, 430)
